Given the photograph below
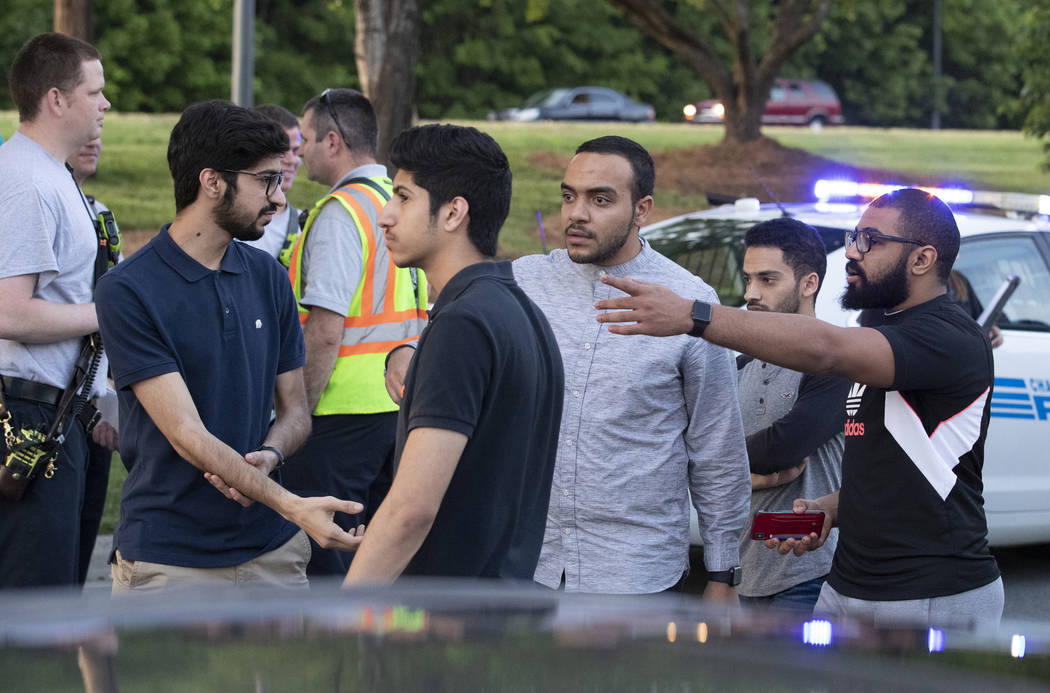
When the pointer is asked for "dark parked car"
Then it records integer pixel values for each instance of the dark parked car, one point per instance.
(791, 102)
(578, 103)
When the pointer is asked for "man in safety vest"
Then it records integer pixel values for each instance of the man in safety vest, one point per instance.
(355, 306)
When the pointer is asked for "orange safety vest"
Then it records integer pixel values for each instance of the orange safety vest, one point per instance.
(388, 307)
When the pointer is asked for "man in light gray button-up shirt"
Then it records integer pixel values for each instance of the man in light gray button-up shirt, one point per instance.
(646, 421)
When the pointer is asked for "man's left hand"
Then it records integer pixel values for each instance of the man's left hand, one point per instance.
(655, 310)
(105, 435)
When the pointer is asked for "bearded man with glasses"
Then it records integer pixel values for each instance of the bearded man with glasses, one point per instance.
(204, 341)
(355, 306)
(913, 539)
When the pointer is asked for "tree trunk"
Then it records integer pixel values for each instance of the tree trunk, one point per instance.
(74, 18)
(741, 83)
(386, 49)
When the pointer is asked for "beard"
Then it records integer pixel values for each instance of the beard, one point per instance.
(790, 304)
(607, 247)
(889, 291)
(237, 223)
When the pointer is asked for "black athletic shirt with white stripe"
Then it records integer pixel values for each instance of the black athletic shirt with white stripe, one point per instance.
(911, 510)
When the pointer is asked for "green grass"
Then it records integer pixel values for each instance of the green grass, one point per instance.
(111, 514)
(133, 176)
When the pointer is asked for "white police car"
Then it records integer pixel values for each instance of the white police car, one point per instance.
(994, 246)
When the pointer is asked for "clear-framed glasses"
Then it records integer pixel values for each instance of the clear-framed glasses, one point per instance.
(863, 238)
(273, 179)
(326, 99)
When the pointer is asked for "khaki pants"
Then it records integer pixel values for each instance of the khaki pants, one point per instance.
(285, 567)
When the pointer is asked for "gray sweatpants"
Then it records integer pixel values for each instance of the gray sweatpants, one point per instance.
(977, 608)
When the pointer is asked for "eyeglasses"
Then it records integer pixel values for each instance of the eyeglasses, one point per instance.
(863, 237)
(273, 180)
(326, 99)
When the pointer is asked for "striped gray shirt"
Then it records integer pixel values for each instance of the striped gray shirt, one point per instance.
(646, 422)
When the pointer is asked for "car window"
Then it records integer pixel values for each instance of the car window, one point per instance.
(796, 93)
(987, 262)
(823, 91)
(713, 249)
(546, 97)
(776, 94)
(581, 98)
(603, 97)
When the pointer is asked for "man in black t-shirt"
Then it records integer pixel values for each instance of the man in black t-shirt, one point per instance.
(481, 404)
(913, 535)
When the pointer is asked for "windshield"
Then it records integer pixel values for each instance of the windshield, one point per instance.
(545, 98)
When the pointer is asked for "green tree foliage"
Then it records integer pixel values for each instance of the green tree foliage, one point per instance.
(878, 57)
(20, 20)
(1033, 54)
(476, 56)
(161, 55)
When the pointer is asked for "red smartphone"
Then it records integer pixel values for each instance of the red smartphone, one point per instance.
(785, 525)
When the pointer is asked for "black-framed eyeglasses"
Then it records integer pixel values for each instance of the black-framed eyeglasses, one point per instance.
(326, 99)
(273, 180)
(863, 238)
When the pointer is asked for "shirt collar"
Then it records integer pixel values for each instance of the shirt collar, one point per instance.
(467, 276)
(365, 171)
(188, 268)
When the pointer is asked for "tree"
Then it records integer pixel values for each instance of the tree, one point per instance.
(386, 49)
(1034, 53)
(477, 56)
(742, 82)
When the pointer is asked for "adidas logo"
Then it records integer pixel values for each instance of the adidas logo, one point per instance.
(853, 399)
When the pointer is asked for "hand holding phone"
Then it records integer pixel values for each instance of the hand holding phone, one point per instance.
(785, 525)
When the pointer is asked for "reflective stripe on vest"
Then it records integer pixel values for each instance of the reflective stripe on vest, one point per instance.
(388, 307)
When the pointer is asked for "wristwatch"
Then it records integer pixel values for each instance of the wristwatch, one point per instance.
(280, 456)
(731, 577)
(701, 314)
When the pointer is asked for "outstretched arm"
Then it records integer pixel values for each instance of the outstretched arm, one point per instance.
(794, 341)
(404, 519)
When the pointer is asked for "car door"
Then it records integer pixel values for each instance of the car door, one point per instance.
(605, 105)
(1016, 466)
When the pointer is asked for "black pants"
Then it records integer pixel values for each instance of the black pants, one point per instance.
(40, 534)
(349, 456)
(96, 483)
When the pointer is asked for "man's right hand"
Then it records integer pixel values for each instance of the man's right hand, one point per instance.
(396, 369)
(826, 504)
(314, 516)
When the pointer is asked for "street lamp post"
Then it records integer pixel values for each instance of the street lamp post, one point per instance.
(243, 52)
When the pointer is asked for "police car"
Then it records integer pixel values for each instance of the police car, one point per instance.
(1002, 235)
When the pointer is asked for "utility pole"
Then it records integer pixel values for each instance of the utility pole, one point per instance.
(243, 52)
(73, 18)
(935, 119)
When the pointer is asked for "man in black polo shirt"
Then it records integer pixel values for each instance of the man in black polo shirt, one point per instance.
(477, 430)
(912, 531)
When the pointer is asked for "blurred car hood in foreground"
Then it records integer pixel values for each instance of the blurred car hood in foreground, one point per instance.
(466, 636)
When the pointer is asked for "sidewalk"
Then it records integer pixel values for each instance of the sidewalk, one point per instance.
(98, 577)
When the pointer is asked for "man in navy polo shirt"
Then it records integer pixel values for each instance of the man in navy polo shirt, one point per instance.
(478, 426)
(204, 340)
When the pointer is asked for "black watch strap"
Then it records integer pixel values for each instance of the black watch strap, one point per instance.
(731, 577)
(701, 314)
(280, 455)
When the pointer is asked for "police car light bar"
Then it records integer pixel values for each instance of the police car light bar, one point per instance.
(826, 189)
